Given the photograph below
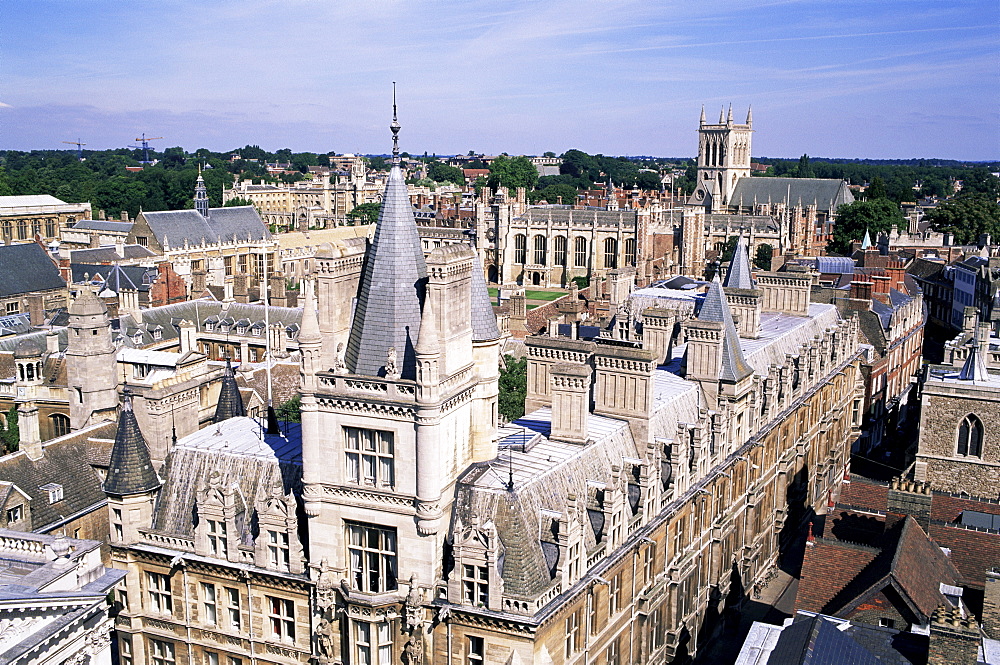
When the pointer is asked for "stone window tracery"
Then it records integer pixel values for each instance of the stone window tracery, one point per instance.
(970, 437)
(520, 248)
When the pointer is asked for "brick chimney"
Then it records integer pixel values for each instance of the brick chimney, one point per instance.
(240, 292)
(36, 311)
(954, 639)
(910, 497)
(861, 290)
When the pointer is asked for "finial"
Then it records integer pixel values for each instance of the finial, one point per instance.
(750, 115)
(702, 114)
(729, 118)
(395, 128)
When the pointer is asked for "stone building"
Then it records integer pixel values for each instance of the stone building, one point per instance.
(959, 445)
(30, 283)
(41, 216)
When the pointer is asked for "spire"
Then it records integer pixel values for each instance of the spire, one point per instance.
(394, 128)
(716, 308)
(309, 333)
(750, 115)
(130, 470)
(391, 293)
(722, 115)
(974, 368)
(702, 121)
(729, 117)
(201, 195)
(740, 275)
(230, 402)
(484, 321)
(867, 242)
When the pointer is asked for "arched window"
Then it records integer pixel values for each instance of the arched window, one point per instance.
(7, 231)
(520, 249)
(60, 424)
(22, 229)
(580, 252)
(36, 227)
(560, 250)
(611, 253)
(970, 437)
(50, 228)
(630, 251)
(538, 255)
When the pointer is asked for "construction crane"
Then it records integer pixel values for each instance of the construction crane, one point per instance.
(145, 146)
(79, 147)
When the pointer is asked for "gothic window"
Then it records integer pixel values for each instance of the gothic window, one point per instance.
(372, 553)
(36, 227)
(210, 608)
(476, 585)
(520, 248)
(60, 424)
(217, 541)
(477, 650)
(560, 250)
(160, 598)
(630, 251)
(538, 256)
(7, 231)
(611, 253)
(580, 252)
(970, 437)
(162, 652)
(50, 228)
(372, 643)
(22, 230)
(281, 618)
(370, 458)
(277, 549)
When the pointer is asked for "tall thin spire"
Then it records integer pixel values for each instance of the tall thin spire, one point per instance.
(715, 307)
(729, 118)
(394, 127)
(230, 401)
(750, 115)
(702, 121)
(130, 470)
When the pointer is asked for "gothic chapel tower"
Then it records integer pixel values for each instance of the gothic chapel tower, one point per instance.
(408, 405)
(723, 157)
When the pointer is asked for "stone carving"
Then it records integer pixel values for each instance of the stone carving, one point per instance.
(324, 639)
(338, 360)
(413, 651)
(391, 368)
(326, 582)
(412, 606)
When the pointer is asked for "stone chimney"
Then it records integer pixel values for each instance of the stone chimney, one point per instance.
(36, 310)
(52, 342)
(188, 339)
(657, 331)
(277, 290)
(909, 497)
(991, 604)
(28, 428)
(954, 639)
(124, 216)
(570, 386)
(120, 246)
(518, 311)
(240, 292)
(227, 290)
(198, 282)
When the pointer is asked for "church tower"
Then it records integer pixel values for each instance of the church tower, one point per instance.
(723, 158)
(90, 362)
(409, 404)
(201, 196)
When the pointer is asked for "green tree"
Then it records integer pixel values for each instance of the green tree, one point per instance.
(513, 387)
(441, 172)
(238, 201)
(981, 181)
(876, 190)
(853, 219)
(10, 438)
(512, 173)
(967, 217)
(366, 213)
(558, 193)
(804, 170)
(762, 258)
(549, 153)
(290, 410)
(581, 281)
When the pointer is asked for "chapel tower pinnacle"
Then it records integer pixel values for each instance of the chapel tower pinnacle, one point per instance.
(723, 158)
(201, 196)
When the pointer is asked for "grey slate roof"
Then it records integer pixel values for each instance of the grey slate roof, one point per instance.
(484, 320)
(26, 268)
(792, 191)
(173, 227)
(740, 275)
(103, 225)
(115, 277)
(391, 292)
(109, 254)
(230, 403)
(66, 461)
(817, 641)
(716, 308)
(131, 469)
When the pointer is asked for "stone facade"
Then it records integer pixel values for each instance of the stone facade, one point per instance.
(25, 218)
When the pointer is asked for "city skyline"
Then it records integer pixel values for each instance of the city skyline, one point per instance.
(845, 80)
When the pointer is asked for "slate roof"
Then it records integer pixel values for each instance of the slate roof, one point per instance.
(109, 254)
(174, 227)
(23, 200)
(391, 293)
(26, 268)
(739, 275)
(103, 225)
(484, 320)
(817, 641)
(130, 469)
(563, 214)
(230, 403)
(115, 277)
(715, 307)
(825, 193)
(66, 461)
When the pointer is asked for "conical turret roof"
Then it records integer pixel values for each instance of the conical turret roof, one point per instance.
(974, 368)
(130, 470)
(230, 402)
(716, 308)
(391, 292)
(484, 321)
(87, 303)
(740, 275)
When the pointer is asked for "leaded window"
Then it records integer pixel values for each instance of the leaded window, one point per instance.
(217, 543)
(476, 584)
(970, 437)
(580, 252)
(370, 457)
(372, 553)
(520, 249)
(158, 588)
(610, 253)
(559, 247)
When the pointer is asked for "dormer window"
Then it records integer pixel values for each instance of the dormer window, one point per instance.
(54, 490)
(140, 371)
(15, 513)
(476, 585)
(157, 335)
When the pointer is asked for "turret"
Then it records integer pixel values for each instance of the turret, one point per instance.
(230, 401)
(90, 362)
(201, 196)
(131, 483)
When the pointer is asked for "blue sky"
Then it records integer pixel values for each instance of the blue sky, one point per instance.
(888, 79)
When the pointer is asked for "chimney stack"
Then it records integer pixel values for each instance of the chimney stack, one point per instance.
(570, 385)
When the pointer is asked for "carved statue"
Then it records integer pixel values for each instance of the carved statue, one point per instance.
(338, 359)
(413, 652)
(324, 639)
(326, 582)
(412, 606)
(391, 369)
